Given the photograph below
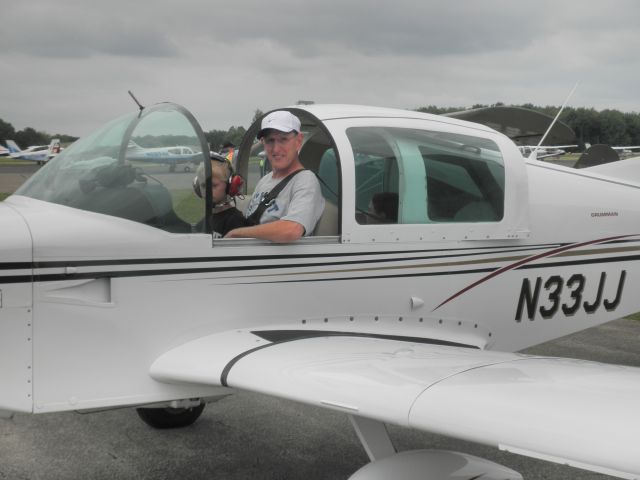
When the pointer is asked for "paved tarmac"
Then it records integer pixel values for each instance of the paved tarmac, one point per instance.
(12, 176)
(252, 436)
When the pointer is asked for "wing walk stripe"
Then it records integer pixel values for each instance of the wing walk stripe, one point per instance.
(277, 337)
(529, 260)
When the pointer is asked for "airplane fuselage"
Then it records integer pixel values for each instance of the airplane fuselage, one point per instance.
(89, 300)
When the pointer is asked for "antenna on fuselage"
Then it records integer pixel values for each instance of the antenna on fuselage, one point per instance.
(533, 152)
(136, 100)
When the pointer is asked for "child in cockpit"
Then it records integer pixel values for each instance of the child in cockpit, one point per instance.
(225, 186)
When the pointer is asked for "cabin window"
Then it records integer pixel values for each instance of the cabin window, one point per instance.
(413, 176)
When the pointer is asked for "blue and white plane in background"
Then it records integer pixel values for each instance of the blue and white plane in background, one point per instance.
(172, 156)
(35, 153)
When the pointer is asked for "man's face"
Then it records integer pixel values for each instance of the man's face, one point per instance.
(282, 148)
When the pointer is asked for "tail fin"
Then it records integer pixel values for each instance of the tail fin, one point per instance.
(598, 154)
(13, 147)
(133, 146)
(54, 148)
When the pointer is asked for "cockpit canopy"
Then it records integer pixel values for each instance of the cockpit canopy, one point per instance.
(137, 167)
(386, 175)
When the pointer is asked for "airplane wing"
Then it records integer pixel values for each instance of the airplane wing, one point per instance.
(580, 413)
(522, 125)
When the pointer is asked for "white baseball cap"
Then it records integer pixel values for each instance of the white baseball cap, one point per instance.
(280, 120)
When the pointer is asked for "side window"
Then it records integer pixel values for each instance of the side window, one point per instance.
(318, 155)
(465, 184)
(415, 176)
(377, 182)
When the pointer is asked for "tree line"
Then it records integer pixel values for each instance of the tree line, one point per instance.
(611, 127)
(30, 136)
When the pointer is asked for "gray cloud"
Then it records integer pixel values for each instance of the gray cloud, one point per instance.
(68, 64)
(79, 32)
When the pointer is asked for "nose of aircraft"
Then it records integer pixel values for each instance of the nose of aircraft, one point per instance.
(15, 245)
(16, 299)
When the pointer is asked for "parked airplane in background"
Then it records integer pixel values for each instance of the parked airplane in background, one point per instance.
(109, 298)
(545, 151)
(4, 151)
(36, 153)
(601, 154)
(626, 150)
(172, 156)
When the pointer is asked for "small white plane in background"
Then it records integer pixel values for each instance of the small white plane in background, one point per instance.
(108, 297)
(35, 153)
(627, 150)
(4, 151)
(545, 151)
(171, 156)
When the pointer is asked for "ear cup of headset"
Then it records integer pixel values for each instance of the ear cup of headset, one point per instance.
(196, 187)
(234, 185)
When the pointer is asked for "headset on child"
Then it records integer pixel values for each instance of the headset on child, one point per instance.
(234, 182)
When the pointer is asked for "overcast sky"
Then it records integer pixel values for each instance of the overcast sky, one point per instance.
(66, 65)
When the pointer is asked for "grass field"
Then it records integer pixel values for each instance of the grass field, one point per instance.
(635, 316)
(187, 206)
(13, 161)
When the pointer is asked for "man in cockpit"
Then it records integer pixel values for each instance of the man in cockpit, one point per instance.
(298, 203)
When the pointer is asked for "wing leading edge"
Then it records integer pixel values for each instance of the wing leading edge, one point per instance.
(580, 413)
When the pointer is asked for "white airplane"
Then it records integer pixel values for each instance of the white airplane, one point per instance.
(626, 150)
(108, 299)
(36, 153)
(545, 151)
(172, 156)
(4, 151)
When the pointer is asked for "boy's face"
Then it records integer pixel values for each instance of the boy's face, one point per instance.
(218, 190)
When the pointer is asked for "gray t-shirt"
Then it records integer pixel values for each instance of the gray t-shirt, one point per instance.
(300, 201)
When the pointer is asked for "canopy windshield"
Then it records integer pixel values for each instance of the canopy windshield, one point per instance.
(139, 167)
